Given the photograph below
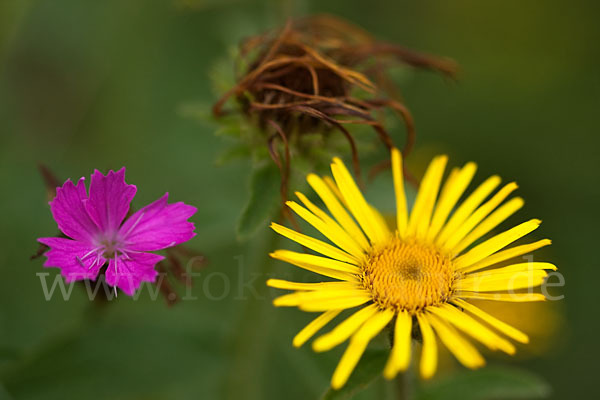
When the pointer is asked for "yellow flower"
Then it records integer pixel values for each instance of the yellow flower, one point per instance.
(418, 274)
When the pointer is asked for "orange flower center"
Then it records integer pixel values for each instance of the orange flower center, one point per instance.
(407, 275)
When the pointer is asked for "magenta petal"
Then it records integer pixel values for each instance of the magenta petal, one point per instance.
(128, 273)
(69, 212)
(158, 225)
(76, 260)
(109, 199)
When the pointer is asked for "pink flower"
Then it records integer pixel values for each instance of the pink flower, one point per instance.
(94, 223)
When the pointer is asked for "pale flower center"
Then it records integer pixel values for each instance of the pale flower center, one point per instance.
(109, 247)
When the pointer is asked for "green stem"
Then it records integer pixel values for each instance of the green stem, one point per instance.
(403, 386)
(250, 343)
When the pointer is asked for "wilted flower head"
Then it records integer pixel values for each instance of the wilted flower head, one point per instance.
(318, 75)
(98, 232)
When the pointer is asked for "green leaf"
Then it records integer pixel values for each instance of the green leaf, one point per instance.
(264, 202)
(368, 369)
(487, 384)
(221, 74)
(231, 127)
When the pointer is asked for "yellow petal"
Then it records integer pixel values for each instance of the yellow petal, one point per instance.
(496, 243)
(313, 244)
(400, 355)
(436, 225)
(401, 208)
(347, 363)
(292, 256)
(314, 326)
(507, 281)
(467, 207)
(507, 255)
(429, 354)
(464, 351)
(477, 217)
(282, 284)
(313, 208)
(335, 303)
(374, 325)
(503, 327)
(379, 218)
(519, 267)
(329, 272)
(420, 216)
(332, 230)
(497, 217)
(361, 210)
(327, 226)
(473, 328)
(446, 188)
(299, 298)
(453, 190)
(334, 189)
(344, 330)
(509, 297)
(357, 346)
(332, 202)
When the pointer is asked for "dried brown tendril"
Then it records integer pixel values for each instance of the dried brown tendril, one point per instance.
(305, 78)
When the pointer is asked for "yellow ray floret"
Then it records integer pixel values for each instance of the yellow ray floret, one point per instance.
(466, 208)
(357, 346)
(361, 210)
(281, 284)
(400, 355)
(492, 221)
(334, 303)
(507, 254)
(313, 244)
(477, 216)
(344, 330)
(496, 243)
(415, 278)
(429, 353)
(453, 189)
(506, 329)
(332, 202)
(464, 351)
(420, 215)
(509, 297)
(312, 328)
(401, 207)
(327, 226)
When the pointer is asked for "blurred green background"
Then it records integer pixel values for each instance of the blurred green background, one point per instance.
(101, 84)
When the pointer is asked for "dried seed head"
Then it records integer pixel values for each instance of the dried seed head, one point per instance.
(318, 75)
